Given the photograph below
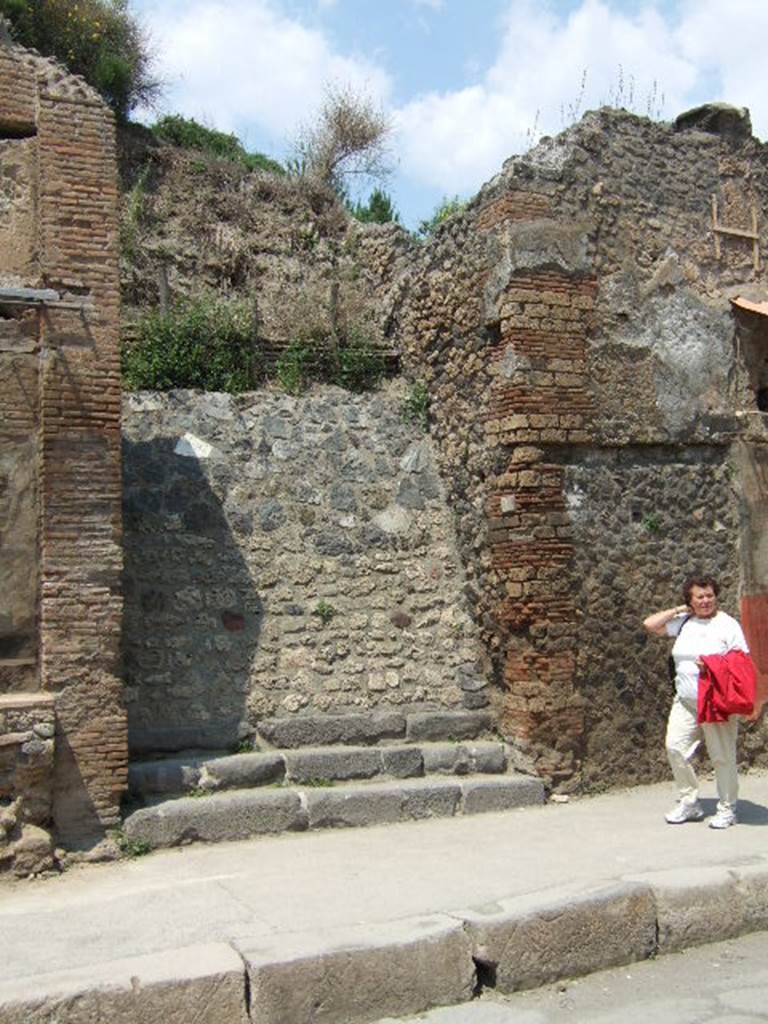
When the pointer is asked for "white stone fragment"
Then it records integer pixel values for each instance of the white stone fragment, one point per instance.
(192, 447)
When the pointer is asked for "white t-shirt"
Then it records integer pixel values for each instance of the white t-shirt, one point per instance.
(717, 635)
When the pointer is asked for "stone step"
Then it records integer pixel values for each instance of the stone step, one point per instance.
(242, 813)
(366, 728)
(149, 779)
(362, 728)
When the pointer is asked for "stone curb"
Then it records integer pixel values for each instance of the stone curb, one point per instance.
(204, 983)
(368, 972)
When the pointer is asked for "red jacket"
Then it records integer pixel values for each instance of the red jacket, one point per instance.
(727, 685)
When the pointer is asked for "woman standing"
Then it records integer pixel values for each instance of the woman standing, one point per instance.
(700, 629)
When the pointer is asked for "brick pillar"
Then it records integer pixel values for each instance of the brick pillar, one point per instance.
(80, 478)
(540, 405)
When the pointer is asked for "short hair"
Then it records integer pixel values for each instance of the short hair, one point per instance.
(699, 580)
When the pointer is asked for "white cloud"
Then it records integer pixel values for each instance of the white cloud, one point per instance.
(243, 62)
(727, 44)
(456, 140)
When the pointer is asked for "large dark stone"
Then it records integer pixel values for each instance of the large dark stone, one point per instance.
(314, 730)
(717, 119)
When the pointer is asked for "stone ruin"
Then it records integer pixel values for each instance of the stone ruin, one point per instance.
(592, 337)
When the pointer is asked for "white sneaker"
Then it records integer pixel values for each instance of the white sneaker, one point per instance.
(685, 812)
(723, 819)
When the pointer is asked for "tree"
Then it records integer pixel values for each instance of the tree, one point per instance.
(98, 39)
(378, 210)
(443, 211)
(348, 138)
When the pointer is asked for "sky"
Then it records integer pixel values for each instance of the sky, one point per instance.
(465, 83)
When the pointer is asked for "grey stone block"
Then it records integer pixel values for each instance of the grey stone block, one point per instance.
(332, 763)
(440, 798)
(205, 984)
(325, 730)
(696, 905)
(174, 775)
(501, 794)
(465, 758)
(446, 758)
(536, 939)
(354, 806)
(216, 818)
(402, 762)
(360, 973)
(489, 758)
(475, 701)
(173, 738)
(448, 725)
(241, 770)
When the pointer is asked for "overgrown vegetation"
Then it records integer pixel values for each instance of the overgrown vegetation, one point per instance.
(98, 39)
(446, 209)
(211, 344)
(131, 847)
(651, 523)
(132, 213)
(324, 611)
(190, 134)
(416, 405)
(355, 365)
(347, 140)
(206, 343)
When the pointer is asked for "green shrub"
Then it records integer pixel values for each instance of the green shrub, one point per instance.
(360, 367)
(324, 611)
(207, 344)
(416, 405)
(98, 39)
(131, 847)
(444, 210)
(354, 365)
(378, 210)
(190, 134)
(294, 368)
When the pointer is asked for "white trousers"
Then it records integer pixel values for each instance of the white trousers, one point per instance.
(684, 736)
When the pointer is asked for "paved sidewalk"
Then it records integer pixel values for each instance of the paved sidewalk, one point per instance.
(273, 907)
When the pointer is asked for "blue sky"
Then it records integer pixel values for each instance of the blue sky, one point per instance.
(466, 83)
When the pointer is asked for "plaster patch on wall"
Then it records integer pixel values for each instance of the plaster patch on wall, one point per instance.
(690, 346)
(193, 447)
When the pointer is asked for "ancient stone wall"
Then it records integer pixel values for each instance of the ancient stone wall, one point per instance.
(60, 441)
(592, 338)
(286, 556)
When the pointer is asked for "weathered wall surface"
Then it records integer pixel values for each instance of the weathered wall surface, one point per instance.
(588, 394)
(597, 418)
(246, 519)
(192, 224)
(60, 609)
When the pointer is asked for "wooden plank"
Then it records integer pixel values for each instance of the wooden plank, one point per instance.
(738, 232)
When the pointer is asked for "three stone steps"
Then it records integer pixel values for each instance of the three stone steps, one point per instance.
(406, 768)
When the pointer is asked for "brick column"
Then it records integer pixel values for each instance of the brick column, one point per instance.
(540, 403)
(80, 479)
